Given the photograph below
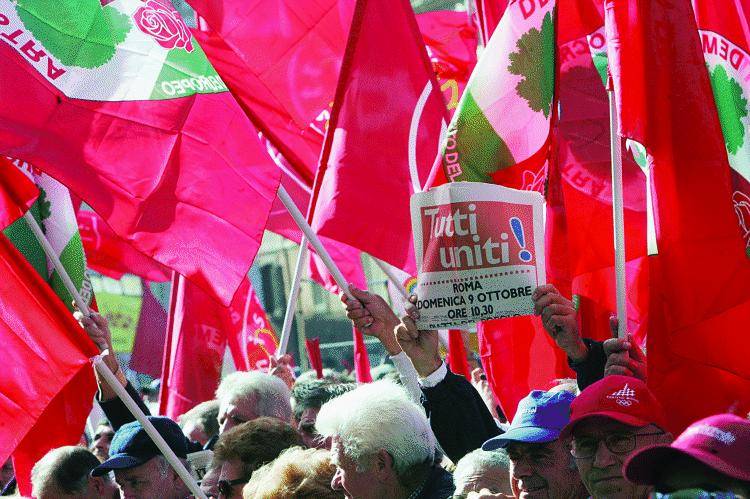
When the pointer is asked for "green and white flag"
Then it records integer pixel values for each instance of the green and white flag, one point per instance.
(504, 115)
(54, 213)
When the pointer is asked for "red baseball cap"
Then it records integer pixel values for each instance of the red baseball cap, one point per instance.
(721, 442)
(622, 398)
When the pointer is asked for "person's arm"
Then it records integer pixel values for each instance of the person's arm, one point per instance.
(97, 327)
(371, 314)
(458, 416)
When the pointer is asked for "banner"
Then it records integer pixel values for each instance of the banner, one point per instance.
(480, 252)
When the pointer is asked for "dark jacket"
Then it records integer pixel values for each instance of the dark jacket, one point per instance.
(439, 485)
(458, 416)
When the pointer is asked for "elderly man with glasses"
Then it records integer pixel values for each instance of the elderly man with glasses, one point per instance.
(610, 420)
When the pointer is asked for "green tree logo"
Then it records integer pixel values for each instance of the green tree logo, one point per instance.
(45, 207)
(732, 107)
(79, 33)
(535, 62)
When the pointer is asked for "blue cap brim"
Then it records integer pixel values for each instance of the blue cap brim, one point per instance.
(528, 435)
(120, 462)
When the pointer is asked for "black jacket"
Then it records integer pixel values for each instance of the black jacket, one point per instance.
(458, 416)
(439, 485)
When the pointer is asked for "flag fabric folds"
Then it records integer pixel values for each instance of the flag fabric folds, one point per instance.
(696, 343)
(374, 160)
(138, 124)
(280, 59)
(111, 256)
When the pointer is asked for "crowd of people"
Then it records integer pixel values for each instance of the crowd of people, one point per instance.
(424, 433)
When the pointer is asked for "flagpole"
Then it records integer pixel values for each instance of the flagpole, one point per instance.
(618, 216)
(161, 444)
(102, 368)
(291, 303)
(299, 219)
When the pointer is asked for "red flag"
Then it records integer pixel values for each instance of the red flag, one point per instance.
(696, 342)
(17, 193)
(109, 255)
(457, 358)
(168, 159)
(250, 333)
(361, 358)
(374, 160)
(150, 335)
(194, 352)
(280, 60)
(348, 259)
(46, 370)
(313, 354)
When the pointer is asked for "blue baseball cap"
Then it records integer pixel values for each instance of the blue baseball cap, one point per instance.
(131, 446)
(539, 419)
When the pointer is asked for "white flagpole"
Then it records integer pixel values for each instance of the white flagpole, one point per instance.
(106, 373)
(619, 219)
(299, 219)
(291, 304)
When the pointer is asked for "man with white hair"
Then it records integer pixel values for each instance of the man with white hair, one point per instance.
(65, 472)
(483, 470)
(244, 396)
(382, 445)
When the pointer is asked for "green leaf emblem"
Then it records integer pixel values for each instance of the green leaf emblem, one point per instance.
(732, 107)
(535, 62)
(78, 33)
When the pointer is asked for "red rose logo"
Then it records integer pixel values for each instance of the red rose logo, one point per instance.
(160, 20)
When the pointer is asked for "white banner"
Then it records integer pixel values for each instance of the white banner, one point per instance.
(480, 252)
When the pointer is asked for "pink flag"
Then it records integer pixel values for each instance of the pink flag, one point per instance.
(374, 160)
(162, 152)
(194, 350)
(250, 334)
(109, 255)
(280, 60)
(150, 335)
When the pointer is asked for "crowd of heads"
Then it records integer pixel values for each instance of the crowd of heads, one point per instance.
(266, 437)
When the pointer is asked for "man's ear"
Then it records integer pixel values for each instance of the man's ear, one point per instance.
(97, 483)
(383, 465)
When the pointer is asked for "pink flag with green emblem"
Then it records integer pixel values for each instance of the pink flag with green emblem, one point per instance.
(119, 103)
(504, 115)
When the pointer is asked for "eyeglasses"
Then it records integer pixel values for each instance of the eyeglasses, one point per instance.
(617, 443)
(225, 486)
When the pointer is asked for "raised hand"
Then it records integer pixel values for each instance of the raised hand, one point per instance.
(371, 314)
(559, 319)
(624, 356)
(420, 346)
